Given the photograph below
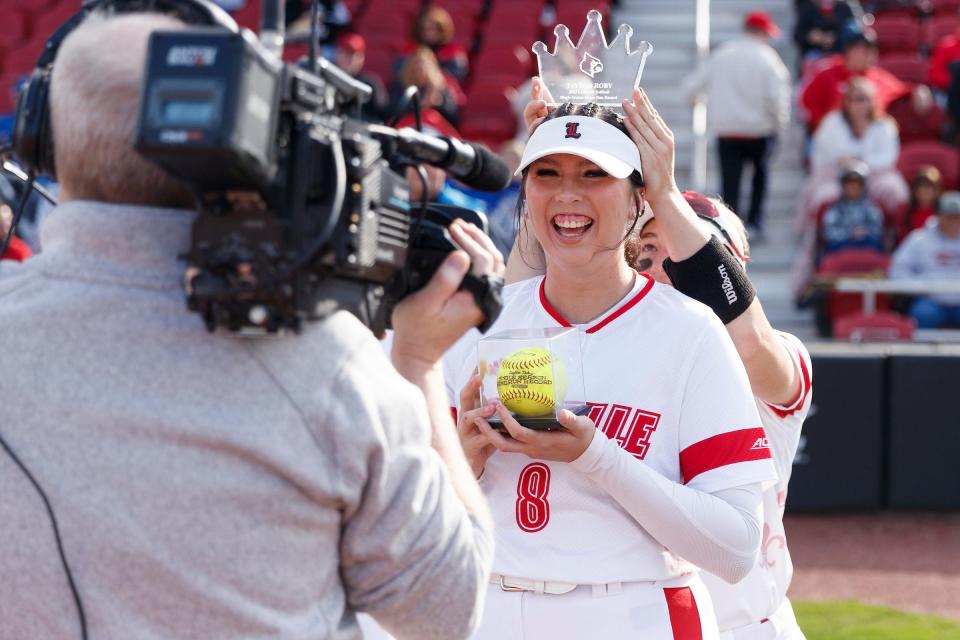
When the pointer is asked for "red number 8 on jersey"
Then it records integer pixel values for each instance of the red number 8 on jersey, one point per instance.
(533, 510)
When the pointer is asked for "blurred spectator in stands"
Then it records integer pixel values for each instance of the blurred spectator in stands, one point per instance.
(925, 188)
(945, 51)
(856, 131)
(434, 29)
(350, 55)
(933, 253)
(438, 90)
(824, 92)
(748, 103)
(18, 249)
(852, 221)
(820, 24)
(500, 207)
(333, 19)
(952, 133)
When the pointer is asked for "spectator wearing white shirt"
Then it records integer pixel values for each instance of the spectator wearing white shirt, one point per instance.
(858, 131)
(933, 253)
(748, 100)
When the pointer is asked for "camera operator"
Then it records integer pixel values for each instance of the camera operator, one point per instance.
(205, 485)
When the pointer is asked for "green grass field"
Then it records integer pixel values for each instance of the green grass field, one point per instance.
(847, 620)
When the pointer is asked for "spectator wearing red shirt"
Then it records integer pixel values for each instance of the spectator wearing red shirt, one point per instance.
(434, 28)
(947, 50)
(925, 189)
(18, 249)
(824, 92)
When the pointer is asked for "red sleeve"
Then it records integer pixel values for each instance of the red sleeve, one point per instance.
(946, 50)
(732, 447)
(889, 87)
(801, 357)
(821, 94)
(18, 250)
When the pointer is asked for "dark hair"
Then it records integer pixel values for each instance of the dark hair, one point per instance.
(590, 110)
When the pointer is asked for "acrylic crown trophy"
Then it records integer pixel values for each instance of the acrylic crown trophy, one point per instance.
(592, 71)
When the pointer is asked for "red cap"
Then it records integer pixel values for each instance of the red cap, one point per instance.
(761, 21)
(352, 42)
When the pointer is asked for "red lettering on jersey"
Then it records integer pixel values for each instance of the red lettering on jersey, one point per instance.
(533, 510)
(631, 428)
(596, 412)
(615, 420)
(637, 439)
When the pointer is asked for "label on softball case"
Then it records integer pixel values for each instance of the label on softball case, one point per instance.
(533, 373)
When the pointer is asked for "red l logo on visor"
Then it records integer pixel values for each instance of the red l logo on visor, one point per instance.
(572, 130)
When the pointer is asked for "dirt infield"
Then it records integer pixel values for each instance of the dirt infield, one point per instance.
(907, 561)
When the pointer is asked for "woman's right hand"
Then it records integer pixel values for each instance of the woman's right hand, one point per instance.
(537, 109)
(476, 446)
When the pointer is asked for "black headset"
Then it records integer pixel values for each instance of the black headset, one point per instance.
(32, 131)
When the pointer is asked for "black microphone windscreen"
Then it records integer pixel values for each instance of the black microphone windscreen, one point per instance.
(490, 172)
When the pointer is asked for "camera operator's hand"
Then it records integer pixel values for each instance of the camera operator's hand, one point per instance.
(430, 321)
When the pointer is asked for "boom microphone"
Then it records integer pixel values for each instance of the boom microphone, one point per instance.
(471, 163)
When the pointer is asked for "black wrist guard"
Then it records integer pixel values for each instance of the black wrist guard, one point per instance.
(714, 277)
(487, 292)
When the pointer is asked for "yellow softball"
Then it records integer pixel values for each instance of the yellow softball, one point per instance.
(529, 380)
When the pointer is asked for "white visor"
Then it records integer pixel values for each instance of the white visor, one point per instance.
(599, 142)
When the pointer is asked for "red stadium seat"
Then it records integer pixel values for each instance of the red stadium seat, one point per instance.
(505, 59)
(943, 7)
(468, 7)
(15, 28)
(940, 26)
(850, 263)
(909, 67)
(489, 117)
(50, 19)
(942, 156)
(882, 325)
(573, 13)
(380, 62)
(518, 19)
(24, 59)
(898, 33)
(916, 126)
(896, 8)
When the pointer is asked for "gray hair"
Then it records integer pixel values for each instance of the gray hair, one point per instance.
(94, 98)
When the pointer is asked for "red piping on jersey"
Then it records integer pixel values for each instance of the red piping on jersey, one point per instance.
(684, 615)
(629, 304)
(742, 445)
(805, 388)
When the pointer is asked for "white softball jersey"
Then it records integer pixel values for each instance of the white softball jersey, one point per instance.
(759, 596)
(664, 381)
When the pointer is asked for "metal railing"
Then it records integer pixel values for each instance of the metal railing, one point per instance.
(698, 165)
